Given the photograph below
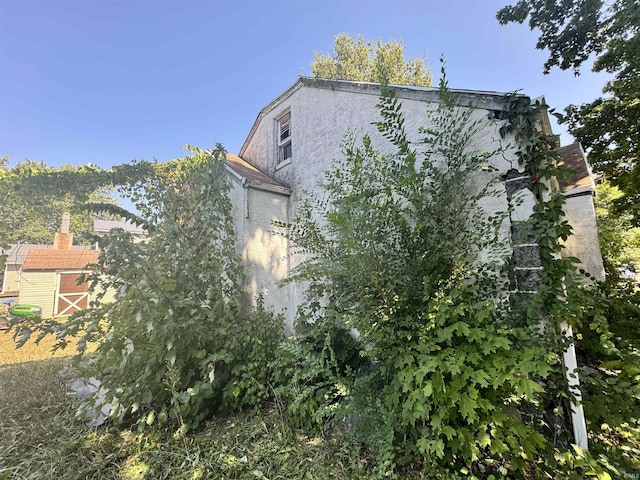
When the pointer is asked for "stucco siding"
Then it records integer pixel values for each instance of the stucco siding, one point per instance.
(320, 119)
(584, 243)
(38, 288)
(263, 249)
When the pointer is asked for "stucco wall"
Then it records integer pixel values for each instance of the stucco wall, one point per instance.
(321, 117)
(263, 250)
(584, 243)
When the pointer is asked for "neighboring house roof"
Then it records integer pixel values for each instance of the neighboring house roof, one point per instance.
(50, 259)
(16, 253)
(250, 175)
(100, 226)
(477, 98)
(572, 156)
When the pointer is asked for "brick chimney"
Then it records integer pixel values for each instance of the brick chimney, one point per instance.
(63, 240)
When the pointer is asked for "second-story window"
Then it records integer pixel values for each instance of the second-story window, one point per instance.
(285, 150)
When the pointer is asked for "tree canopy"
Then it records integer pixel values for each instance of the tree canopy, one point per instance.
(31, 211)
(356, 59)
(573, 31)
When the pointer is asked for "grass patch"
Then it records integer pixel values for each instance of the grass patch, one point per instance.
(40, 438)
(38, 428)
(29, 352)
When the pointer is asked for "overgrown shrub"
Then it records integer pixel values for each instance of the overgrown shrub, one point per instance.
(402, 251)
(608, 330)
(175, 344)
(314, 370)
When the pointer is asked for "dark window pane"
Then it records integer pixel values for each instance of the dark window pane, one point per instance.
(287, 151)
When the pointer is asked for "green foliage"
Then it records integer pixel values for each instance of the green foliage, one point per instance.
(175, 344)
(619, 239)
(537, 155)
(314, 370)
(403, 252)
(41, 439)
(607, 325)
(570, 30)
(31, 214)
(604, 316)
(573, 31)
(364, 61)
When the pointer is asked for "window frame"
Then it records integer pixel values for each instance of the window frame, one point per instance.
(283, 120)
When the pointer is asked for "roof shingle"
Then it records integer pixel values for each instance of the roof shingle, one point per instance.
(572, 157)
(49, 259)
(254, 177)
(17, 252)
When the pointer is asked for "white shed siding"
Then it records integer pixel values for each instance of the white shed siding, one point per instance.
(38, 288)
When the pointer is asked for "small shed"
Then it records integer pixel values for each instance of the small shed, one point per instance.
(50, 280)
(49, 276)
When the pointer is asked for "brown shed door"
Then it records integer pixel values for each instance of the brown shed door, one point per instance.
(70, 297)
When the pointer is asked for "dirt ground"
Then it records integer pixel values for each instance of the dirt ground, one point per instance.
(29, 352)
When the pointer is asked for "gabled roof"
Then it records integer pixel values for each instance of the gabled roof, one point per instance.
(51, 259)
(17, 253)
(107, 225)
(251, 176)
(476, 98)
(572, 156)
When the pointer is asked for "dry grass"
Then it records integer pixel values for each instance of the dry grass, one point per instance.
(29, 352)
(41, 439)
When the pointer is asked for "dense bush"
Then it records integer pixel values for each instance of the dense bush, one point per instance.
(401, 251)
(176, 344)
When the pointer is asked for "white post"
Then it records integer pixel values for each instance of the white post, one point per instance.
(571, 372)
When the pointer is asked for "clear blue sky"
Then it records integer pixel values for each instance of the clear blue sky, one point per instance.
(108, 81)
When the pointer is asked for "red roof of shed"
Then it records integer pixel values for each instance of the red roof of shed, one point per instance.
(50, 259)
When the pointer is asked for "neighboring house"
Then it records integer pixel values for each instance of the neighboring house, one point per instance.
(15, 256)
(104, 227)
(49, 276)
(295, 139)
(579, 192)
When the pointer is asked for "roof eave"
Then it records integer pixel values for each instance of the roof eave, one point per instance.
(276, 101)
(472, 98)
(281, 190)
(580, 191)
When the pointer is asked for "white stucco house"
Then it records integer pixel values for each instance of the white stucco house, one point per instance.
(295, 139)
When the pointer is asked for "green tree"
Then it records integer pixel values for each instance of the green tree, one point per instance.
(31, 214)
(608, 127)
(364, 61)
(619, 239)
